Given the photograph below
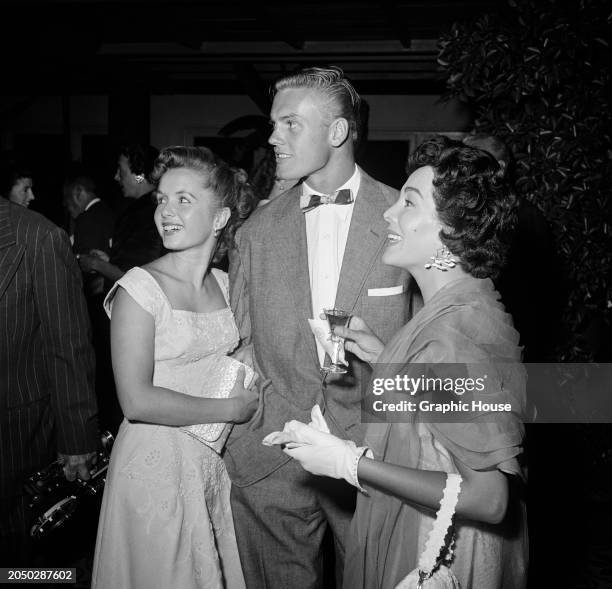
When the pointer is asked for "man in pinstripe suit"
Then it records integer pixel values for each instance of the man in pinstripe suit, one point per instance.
(47, 402)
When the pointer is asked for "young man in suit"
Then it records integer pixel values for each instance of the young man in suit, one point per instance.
(316, 246)
(47, 401)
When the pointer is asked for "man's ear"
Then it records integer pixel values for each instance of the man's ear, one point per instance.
(81, 196)
(338, 131)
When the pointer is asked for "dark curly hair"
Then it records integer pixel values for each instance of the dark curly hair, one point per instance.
(228, 184)
(141, 158)
(10, 173)
(474, 202)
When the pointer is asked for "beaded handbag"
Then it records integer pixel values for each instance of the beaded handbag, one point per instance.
(218, 383)
(433, 570)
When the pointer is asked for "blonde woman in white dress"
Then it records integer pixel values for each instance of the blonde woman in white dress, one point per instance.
(166, 518)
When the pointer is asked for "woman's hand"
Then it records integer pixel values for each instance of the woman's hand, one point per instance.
(318, 452)
(244, 354)
(245, 401)
(360, 340)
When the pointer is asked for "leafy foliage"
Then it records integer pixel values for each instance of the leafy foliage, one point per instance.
(539, 79)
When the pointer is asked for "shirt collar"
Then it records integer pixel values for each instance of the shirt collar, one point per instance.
(352, 184)
(91, 203)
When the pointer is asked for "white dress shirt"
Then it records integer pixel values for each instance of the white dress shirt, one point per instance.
(327, 228)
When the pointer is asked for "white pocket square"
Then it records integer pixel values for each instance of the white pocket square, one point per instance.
(386, 292)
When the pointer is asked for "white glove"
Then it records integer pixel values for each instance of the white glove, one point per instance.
(317, 420)
(319, 452)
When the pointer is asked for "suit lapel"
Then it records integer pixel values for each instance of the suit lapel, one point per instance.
(290, 243)
(367, 235)
(10, 252)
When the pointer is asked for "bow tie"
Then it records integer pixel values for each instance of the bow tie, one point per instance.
(341, 197)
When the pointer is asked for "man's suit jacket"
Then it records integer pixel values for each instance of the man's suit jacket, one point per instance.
(270, 296)
(47, 401)
(93, 229)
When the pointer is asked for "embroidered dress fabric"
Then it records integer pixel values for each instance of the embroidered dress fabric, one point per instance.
(166, 519)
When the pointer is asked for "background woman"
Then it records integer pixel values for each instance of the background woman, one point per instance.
(16, 184)
(446, 229)
(166, 519)
(135, 238)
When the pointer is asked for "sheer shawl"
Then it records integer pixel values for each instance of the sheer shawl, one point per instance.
(463, 323)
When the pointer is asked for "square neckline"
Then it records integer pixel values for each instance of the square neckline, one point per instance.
(213, 272)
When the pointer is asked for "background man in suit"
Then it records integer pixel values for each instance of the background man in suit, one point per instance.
(93, 220)
(93, 224)
(47, 402)
(292, 260)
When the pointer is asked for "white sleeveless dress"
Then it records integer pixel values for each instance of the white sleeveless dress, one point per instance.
(166, 519)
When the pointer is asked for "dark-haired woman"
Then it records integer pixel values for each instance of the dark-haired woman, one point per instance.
(447, 229)
(135, 239)
(166, 519)
(16, 185)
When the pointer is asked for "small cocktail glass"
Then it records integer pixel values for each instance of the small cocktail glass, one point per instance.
(335, 318)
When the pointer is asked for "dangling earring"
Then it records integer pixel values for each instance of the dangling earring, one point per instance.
(443, 260)
(139, 178)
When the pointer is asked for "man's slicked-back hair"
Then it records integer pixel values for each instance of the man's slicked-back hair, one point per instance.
(84, 181)
(342, 99)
